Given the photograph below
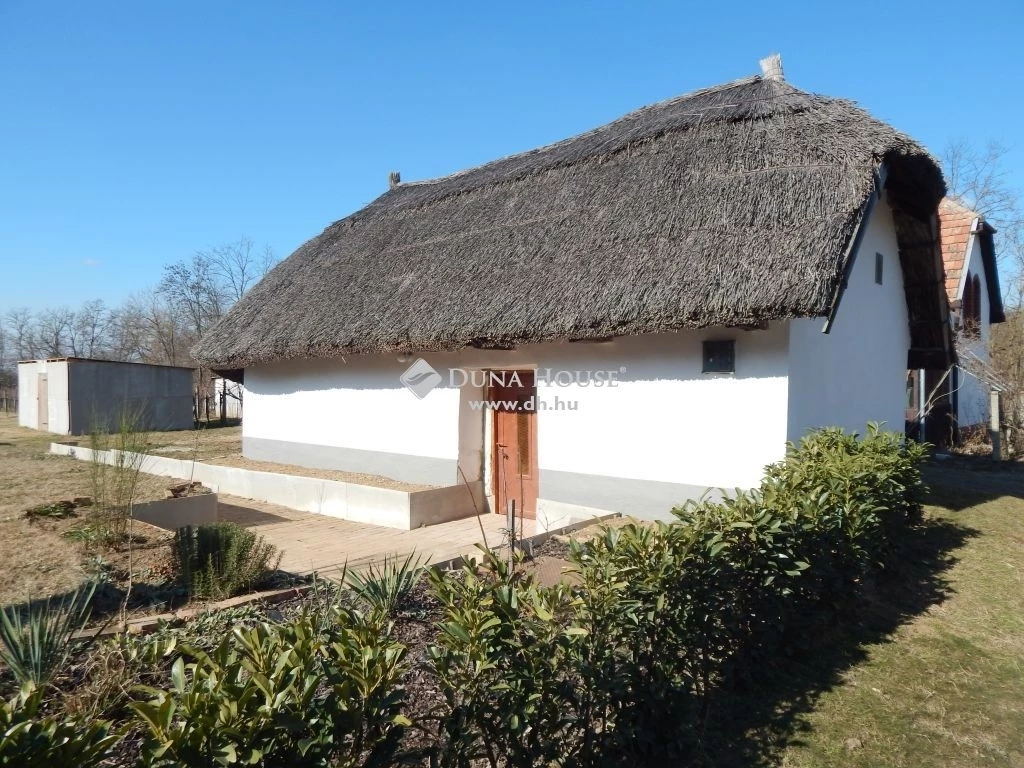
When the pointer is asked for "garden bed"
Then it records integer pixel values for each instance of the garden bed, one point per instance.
(711, 638)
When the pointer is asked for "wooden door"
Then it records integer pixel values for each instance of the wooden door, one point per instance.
(514, 453)
(43, 398)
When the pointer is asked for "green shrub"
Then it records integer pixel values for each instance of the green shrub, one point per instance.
(851, 498)
(28, 738)
(621, 667)
(37, 640)
(281, 695)
(221, 559)
(504, 666)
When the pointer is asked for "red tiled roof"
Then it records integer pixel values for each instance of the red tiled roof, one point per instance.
(955, 221)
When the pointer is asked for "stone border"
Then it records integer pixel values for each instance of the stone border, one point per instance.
(404, 510)
(144, 625)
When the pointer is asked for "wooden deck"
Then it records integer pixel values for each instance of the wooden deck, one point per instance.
(325, 544)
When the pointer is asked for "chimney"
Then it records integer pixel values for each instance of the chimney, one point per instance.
(771, 67)
(394, 179)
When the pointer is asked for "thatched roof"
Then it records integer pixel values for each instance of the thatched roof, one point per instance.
(957, 223)
(733, 205)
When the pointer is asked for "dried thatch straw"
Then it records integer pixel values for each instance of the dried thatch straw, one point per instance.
(733, 205)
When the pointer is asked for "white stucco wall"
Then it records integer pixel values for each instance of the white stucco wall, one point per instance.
(665, 421)
(57, 395)
(972, 395)
(356, 403)
(857, 372)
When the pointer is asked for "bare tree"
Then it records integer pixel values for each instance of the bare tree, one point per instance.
(237, 267)
(150, 330)
(90, 329)
(978, 177)
(20, 327)
(192, 289)
(7, 373)
(156, 326)
(53, 329)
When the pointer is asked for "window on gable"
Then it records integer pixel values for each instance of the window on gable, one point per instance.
(971, 306)
(879, 263)
(719, 357)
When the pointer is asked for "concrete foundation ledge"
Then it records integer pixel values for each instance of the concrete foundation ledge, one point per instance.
(348, 501)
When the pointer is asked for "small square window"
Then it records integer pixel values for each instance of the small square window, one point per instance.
(719, 356)
(879, 262)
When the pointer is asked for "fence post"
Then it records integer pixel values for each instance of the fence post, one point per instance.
(993, 425)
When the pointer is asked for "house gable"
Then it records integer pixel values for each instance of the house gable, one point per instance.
(968, 247)
(856, 372)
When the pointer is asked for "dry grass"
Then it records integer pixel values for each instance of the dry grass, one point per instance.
(38, 560)
(203, 444)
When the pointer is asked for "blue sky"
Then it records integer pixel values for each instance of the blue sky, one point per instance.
(133, 134)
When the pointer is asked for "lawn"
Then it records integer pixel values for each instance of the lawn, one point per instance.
(931, 672)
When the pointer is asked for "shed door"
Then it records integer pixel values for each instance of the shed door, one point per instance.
(515, 442)
(43, 397)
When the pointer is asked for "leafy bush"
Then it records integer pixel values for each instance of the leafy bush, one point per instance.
(28, 738)
(850, 497)
(281, 695)
(38, 640)
(221, 559)
(503, 663)
(614, 669)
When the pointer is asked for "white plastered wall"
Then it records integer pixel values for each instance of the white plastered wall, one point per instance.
(973, 395)
(857, 372)
(664, 421)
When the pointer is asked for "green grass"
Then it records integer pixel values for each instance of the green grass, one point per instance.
(928, 672)
(948, 687)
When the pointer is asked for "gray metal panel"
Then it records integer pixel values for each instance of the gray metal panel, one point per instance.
(100, 392)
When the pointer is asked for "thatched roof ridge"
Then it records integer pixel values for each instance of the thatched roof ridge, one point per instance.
(734, 205)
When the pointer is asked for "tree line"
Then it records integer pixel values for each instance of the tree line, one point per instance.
(157, 325)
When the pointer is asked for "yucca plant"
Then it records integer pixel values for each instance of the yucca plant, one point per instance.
(37, 640)
(382, 587)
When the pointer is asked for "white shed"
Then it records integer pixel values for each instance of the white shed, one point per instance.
(71, 395)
